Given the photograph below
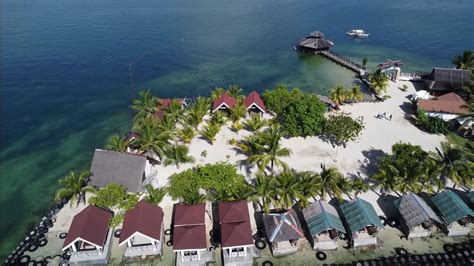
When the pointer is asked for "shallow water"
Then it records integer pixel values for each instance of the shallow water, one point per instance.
(65, 82)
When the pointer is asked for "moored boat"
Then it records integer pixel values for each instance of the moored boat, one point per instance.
(357, 33)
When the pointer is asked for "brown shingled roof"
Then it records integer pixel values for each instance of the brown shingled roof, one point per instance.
(189, 237)
(230, 212)
(145, 218)
(226, 100)
(448, 103)
(189, 214)
(254, 99)
(91, 225)
(235, 224)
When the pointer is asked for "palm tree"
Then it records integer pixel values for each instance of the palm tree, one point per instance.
(309, 184)
(175, 110)
(264, 192)
(237, 126)
(236, 92)
(210, 131)
(197, 111)
(217, 93)
(218, 118)
(255, 123)
(359, 186)
(287, 189)
(193, 198)
(329, 185)
(168, 123)
(378, 81)
(155, 195)
(356, 94)
(386, 177)
(452, 161)
(464, 61)
(187, 134)
(344, 186)
(271, 151)
(153, 137)
(117, 143)
(339, 94)
(74, 187)
(177, 155)
(239, 111)
(145, 106)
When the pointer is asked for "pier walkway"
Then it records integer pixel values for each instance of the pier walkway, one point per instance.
(344, 61)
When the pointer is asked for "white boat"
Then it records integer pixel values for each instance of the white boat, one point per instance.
(357, 33)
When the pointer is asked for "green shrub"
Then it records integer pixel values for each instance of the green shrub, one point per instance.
(431, 124)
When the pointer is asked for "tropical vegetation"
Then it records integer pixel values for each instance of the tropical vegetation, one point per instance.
(73, 187)
(341, 128)
(378, 81)
(177, 155)
(431, 124)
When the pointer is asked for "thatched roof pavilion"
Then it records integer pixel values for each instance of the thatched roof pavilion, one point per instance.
(315, 42)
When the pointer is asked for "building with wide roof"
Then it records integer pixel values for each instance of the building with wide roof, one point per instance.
(236, 234)
(455, 213)
(447, 107)
(283, 230)
(254, 103)
(89, 237)
(225, 103)
(143, 231)
(324, 225)
(128, 170)
(189, 235)
(446, 79)
(315, 42)
(362, 221)
(419, 218)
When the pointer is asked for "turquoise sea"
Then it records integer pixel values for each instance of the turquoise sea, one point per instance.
(65, 79)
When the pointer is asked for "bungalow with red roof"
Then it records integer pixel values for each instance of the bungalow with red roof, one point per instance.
(189, 235)
(254, 103)
(236, 234)
(143, 231)
(89, 237)
(225, 102)
(447, 107)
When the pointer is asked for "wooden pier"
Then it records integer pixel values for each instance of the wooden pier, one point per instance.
(344, 61)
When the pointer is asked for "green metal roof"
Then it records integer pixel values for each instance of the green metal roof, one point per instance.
(470, 195)
(359, 214)
(320, 217)
(451, 206)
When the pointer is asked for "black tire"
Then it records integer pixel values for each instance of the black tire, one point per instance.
(448, 248)
(211, 233)
(169, 243)
(168, 232)
(43, 242)
(383, 220)
(47, 259)
(267, 263)
(342, 236)
(321, 255)
(39, 263)
(401, 251)
(33, 247)
(458, 246)
(63, 235)
(25, 259)
(64, 262)
(66, 255)
(117, 233)
(260, 244)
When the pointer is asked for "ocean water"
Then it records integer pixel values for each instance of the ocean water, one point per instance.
(65, 68)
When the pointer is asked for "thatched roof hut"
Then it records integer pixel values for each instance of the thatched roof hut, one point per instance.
(315, 42)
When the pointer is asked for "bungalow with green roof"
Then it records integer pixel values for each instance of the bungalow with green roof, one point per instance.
(362, 221)
(419, 218)
(324, 225)
(456, 215)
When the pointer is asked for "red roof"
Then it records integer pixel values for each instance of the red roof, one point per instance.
(145, 218)
(236, 234)
(235, 224)
(189, 237)
(189, 214)
(91, 225)
(447, 103)
(254, 99)
(167, 102)
(224, 100)
(230, 212)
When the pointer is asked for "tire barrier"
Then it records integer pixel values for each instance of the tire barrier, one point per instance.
(168, 232)
(117, 233)
(63, 235)
(211, 233)
(25, 259)
(42, 229)
(342, 236)
(32, 248)
(401, 251)
(64, 262)
(260, 244)
(43, 242)
(321, 255)
(448, 248)
(169, 243)
(267, 263)
(47, 259)
(66, 255)
(383, 219)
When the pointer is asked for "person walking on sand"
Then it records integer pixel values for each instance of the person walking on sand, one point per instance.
(390, 117)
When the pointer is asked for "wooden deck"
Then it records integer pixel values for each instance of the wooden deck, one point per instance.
(344, 61)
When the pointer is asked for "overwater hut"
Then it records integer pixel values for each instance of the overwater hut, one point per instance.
(392, 68)
(447, 107)
(314, 43)
(89, 237)
(128, 170)
(455, 214)
(225, 103)
(254, 103)
(143, 231)
(236, 234)
(324, 225)
(189, 235)
(419, 218)
(283, 230)
(441, 80)
(362, 221)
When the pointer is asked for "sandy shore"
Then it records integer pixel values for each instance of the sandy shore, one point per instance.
(309, 153)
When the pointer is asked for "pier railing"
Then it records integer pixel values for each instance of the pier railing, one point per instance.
(344, 61)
